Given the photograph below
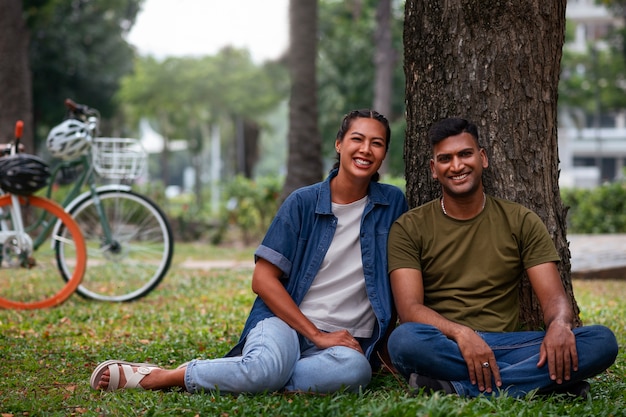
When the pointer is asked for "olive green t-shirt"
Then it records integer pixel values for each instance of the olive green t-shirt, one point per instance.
(472, 268)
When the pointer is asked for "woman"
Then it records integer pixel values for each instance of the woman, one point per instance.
(324, 304)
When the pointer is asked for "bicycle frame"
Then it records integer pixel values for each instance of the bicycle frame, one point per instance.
(18, 230)
(86, 177)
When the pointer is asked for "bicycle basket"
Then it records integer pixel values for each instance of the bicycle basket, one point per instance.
(23, 174)
(118, 158)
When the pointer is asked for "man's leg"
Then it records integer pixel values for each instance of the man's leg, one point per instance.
(424, 350)
(426, 357)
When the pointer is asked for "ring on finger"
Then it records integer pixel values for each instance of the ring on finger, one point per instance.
(485, 364)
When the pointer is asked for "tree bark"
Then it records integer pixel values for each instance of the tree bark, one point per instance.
(497, 64)
(304, 162)
(15, 97)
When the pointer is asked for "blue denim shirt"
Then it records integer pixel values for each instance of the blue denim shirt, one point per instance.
(300, 235)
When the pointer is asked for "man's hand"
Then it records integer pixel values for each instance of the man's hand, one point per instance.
(559, 351)
(558, 348)
(481, 362)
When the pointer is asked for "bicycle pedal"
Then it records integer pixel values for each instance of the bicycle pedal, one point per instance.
(29, 262)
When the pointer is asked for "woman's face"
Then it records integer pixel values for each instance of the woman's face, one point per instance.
(363, 148)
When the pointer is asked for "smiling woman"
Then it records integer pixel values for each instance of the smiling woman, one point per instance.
(200, 27)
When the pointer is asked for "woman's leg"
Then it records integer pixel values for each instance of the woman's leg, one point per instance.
(269, 355)
(329, 370)
(266, 364)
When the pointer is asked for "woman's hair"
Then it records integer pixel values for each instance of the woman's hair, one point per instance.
(451, 127)
(367, 114)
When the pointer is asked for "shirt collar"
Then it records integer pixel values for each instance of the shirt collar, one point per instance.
(324, 202)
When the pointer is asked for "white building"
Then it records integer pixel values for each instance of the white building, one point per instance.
(591, 155)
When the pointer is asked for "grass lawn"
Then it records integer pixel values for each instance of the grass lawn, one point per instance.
(47, 356)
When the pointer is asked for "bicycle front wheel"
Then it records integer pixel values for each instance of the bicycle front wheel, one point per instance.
(133, 258)
(29, 277)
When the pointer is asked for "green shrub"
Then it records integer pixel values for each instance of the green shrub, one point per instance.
(598, 210)
(252, 204)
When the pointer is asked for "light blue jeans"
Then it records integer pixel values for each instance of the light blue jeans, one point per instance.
(276, 358)
(423, 349)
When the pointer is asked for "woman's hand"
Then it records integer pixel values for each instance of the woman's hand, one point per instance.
(323, 340)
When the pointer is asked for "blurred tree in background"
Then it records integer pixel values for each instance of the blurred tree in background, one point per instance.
(185, 98)
(16, 95)
(77, 50)
(346, 69)
(304, 161)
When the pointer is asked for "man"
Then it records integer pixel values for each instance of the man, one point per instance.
(455, 265)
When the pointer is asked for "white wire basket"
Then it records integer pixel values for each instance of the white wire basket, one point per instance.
(119, 158)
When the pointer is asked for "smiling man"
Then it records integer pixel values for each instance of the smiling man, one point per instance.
(455, 265)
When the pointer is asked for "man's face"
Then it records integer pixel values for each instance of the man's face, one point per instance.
(458, 164)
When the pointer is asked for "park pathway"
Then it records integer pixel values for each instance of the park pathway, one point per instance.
(592, 256)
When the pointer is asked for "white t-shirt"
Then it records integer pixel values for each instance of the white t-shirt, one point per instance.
(337, 298)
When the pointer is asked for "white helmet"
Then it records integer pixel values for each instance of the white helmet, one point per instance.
(69, 139)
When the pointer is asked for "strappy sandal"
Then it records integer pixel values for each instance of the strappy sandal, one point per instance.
(133, 378)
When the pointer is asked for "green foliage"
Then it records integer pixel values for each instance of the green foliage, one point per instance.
(180, 95)
(345, 69)
(252, 204)
(399, 182)
(77, 50)
(47, 356)
(598, 210)
(185, 98)
(594, 81)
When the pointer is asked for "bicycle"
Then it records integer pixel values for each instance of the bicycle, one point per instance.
(28, 249)
(129, 239)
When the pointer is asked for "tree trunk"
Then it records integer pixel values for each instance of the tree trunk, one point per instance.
(15, 97)
(497, 64)
(251, 134)
(304, 162)
(384, 62)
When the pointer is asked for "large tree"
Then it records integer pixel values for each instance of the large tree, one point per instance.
(304, 163)
(496, 63)
(15, 81)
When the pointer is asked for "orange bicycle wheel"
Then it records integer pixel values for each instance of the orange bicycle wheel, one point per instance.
(29, 276)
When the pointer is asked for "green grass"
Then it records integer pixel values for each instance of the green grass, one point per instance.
(47, 356)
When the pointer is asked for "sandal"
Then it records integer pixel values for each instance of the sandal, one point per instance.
(133, 378)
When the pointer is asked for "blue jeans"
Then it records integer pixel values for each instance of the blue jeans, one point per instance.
(423, 349)
(276, 358)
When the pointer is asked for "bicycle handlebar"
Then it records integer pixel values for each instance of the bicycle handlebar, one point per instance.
(74, 107)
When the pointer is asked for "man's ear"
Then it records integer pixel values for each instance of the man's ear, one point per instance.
(483, 154)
